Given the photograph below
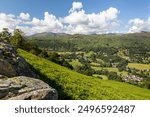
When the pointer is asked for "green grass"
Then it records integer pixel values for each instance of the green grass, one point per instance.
(80, 52)
(107, 68)
(104, 77)
(63, 53)
(100, 60)
(110, 69)
(95, 64)
(75, 63)
(78, 86)
(116, 70)
(97, 68)
(139, 66)
(89, 54)
(121, 54)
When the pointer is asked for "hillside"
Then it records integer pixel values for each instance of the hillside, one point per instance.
(90, 42)
(72, 85)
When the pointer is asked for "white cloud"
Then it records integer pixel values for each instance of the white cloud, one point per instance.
(24, 16)
(76, 6)
(77, 21)
(8, 21)
(138, 25)
(136, 21)
(37, 22)
(51, 21)
(76, 18)
(80, 22)
(49, 24)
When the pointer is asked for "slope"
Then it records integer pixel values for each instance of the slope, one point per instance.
(91, 42)
(72, 85)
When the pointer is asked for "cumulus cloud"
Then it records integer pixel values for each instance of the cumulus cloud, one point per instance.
(76, 18)
(77, 21)
(76, 6)
(80, 22)
(138, 25)
(24, 16)
(8, 21)
(48, 24)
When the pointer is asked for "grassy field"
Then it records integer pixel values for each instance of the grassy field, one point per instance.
(107, 68)
(139, 66)
(95, 64)
(75, 63)
(97, 68)
(63, 53)
(116, 70)
(72, 85)
(121, 54)
(100, 76)
(110, 69)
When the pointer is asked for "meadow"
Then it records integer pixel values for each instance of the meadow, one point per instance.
(139, 66)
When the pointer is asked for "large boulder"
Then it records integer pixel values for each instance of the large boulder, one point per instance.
(25, 88)
(11, 64)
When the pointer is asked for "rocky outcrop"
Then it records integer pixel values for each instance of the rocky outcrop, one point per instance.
(15, 78)
(25, 88)
(11, 64)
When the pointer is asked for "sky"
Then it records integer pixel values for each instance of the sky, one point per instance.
(75, 16)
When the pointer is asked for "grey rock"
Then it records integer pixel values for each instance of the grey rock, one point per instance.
(2, 76)
(43, 94)
(25, 88)
(11, 64)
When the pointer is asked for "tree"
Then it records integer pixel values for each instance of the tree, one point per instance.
(17, 39)
(85, 69)
(5, 35)
(44, 53)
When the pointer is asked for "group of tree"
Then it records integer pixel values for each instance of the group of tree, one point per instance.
(85, 69)
(110, 75)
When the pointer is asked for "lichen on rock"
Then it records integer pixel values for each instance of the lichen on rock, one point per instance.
(25, 88)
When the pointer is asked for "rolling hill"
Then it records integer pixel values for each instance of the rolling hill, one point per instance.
(72, 85)
(65, 42)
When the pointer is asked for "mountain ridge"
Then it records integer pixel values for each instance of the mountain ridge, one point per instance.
(61, 34)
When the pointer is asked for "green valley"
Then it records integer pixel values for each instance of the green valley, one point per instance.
(120, 57)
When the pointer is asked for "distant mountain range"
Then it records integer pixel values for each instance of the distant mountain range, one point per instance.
(48, 34)
(142, 33)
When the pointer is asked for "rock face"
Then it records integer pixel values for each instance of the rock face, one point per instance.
(21, 86)
(11, 64)
(25, 88)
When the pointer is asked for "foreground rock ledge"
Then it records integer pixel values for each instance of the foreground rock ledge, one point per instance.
(11, 64)
(25, 88)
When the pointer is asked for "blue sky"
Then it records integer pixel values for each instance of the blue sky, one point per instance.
(126, 15)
